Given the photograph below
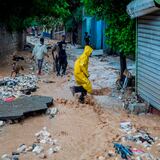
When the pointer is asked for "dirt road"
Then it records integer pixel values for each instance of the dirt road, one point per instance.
(83, 131)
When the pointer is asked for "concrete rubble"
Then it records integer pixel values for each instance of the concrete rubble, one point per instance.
(21, 148)
(18, 86)
(47, 67)
(45, 146)
(21, 107)
(52, 112)
(2, 123)
(38, 149)
(5, 157)
(133, 105)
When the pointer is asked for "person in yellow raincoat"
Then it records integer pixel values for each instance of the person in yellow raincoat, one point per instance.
(81, 74)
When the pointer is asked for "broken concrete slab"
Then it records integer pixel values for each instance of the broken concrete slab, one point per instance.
(22, 106)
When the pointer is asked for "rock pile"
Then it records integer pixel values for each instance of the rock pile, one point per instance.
(40, 148)
(18, 86)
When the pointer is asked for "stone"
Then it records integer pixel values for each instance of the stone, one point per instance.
(56, 149)
(15, 157)
(138, 108)
(38, 149)
(139, 158)
(126, 126)
(44, 137)
(29, 149)
(21, 148)
(16, 86)
(50, 151)
(2, 123)
(101, 158)
(5, 157)
(52, 112)
(111, 154)
(42, 156)
(156, 138)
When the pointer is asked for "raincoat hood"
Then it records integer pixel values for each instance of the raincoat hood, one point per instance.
(87, 51)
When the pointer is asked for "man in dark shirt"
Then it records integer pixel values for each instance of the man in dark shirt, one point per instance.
(62, 56)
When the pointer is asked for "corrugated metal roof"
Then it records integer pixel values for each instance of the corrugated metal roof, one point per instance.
(139, 8)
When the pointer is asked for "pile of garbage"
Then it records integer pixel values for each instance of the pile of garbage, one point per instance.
(18, 86)
(139, 137)
(133, 145)
(40, 148)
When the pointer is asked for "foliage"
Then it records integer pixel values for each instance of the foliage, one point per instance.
(121, 29)
(49, 22)
(75, 17)
(18, 14)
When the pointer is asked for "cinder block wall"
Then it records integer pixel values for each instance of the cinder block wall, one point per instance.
(10, 42)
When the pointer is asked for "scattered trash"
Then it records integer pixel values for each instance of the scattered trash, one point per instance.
(126, 126)
(141, 137)
(124, 151)
(137, 152)
(48, 81)
(10, 99)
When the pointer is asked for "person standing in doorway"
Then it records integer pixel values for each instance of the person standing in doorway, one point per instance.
(74, 37)
(81, 74)
(39, 51)
(62, 57)
(86, 38)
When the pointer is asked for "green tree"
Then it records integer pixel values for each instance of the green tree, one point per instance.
(18, 14)
(121, 29)
(75, 18)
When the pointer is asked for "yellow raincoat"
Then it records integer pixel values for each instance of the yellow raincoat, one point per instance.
(81, 69)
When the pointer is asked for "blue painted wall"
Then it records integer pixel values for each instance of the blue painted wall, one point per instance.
(96, 30)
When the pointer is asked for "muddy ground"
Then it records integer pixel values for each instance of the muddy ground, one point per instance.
(83, 131)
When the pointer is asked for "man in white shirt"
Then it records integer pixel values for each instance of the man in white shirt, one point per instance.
(39, 51)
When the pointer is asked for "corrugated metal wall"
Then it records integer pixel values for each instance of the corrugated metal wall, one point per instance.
(148, 64)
